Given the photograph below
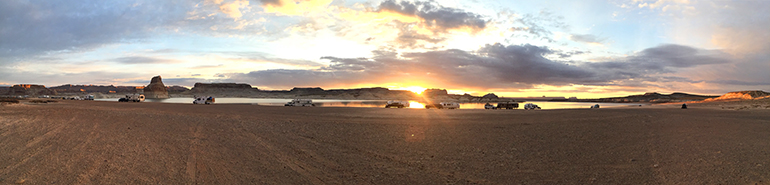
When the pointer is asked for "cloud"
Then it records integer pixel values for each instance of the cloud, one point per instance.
(587, 38)
(438, 17)
(207, 66)
(143, 60)
(492, 66)
(34, 28)
(295, 7)
(233, 9)
(538, 25)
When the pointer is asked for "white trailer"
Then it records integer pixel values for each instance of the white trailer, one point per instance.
(443, 105)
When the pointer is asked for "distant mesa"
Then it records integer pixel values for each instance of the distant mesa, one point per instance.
(29, 89)
(742, 95)
(156, 89)
(653, 97)
(221, 87)
(434, 92)
(106, 89)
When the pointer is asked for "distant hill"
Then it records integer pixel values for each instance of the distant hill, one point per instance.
(653, 97)
(741, 95)
(109, 89)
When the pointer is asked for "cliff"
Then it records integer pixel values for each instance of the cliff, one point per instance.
(741, 95)
(224, 89)
(29, 89)
(110, 89)
(156, 89)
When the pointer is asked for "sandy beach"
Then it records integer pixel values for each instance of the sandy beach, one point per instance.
(91, 142)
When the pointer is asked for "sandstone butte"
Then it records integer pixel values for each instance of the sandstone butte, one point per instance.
(156, 89)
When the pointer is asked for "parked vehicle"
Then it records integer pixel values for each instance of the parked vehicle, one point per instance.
(132, 98)
(300, 103)
(88, 97)
(531, 106)
(489, 106)
(507, 105)
(398, 104)
(443, 105)
(204, 100)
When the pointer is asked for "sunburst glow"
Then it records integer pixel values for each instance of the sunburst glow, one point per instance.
(415, 89)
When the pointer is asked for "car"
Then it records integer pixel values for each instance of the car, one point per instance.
(397, 104)
(531, 106)
(507, 105)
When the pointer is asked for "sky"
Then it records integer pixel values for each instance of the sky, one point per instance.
(587, 49)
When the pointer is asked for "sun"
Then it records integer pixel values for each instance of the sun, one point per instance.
(415, 89)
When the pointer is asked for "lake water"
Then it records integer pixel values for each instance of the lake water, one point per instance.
(382, 103)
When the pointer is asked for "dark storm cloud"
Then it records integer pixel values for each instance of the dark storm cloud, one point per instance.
(661, 59)
(739, 82)
(143, 60)
(492, 66)
(435, 15)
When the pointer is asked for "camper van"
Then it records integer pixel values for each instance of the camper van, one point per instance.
(398, 104)
(443, 105)
(300, 103)
(204, 100)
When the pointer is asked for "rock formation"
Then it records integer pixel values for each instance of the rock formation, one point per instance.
(742, 95)
(490, 96)
(653, 97)
(434, 92)
(230, 88)
(30, 89)
(177, 89)
(156, 89)
(105, 89)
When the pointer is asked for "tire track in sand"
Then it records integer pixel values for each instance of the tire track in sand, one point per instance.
(309, 172)
(192, 161)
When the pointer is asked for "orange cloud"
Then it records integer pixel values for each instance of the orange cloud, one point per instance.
(233, 9)
(296, 7)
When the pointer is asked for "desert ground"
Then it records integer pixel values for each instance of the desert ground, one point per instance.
(91, 142)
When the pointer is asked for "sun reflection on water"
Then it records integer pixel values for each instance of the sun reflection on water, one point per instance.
(416, 105)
